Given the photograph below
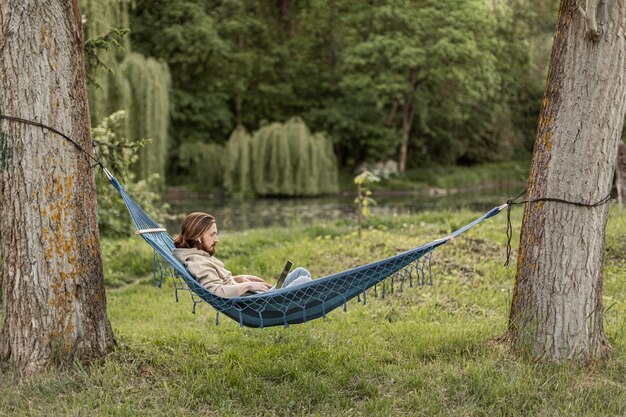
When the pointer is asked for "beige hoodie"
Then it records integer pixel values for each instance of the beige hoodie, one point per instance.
(208, 270)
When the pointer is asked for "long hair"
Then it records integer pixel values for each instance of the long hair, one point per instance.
(194, 225)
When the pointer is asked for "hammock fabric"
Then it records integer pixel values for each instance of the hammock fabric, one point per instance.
(295, 304)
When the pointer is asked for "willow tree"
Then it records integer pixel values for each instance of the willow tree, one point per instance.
(54, 304)
(298, 133)
(329, 176)
(281, 159)
(102, 16)
(314, 162)
(283, 164)
(143, 87)
(557, 311)
(130, 82)
(259, 165)
(237, 177)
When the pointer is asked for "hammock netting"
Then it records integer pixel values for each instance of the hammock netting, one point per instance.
(294, 304)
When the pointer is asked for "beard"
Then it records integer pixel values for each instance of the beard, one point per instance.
(209, 249)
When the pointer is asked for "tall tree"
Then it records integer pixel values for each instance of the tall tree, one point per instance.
(408, 57)
(53, 289)
(143, 85)
(557, 311)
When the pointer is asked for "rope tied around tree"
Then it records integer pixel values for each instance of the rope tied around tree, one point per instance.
(513, 201)
(96, 159)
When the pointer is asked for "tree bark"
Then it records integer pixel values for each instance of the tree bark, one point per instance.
(620, 175)
(557, 311)
(53, 289)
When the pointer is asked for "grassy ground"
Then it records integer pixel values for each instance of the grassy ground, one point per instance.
(449, 177)
(425, 351)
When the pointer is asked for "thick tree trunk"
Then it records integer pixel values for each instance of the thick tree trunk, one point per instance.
(557, 310)
(53, 289)
(620, 175)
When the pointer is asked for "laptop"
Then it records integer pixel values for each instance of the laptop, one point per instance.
(281, 279)
(283, 275)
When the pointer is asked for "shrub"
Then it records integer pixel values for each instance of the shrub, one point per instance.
(118, 153)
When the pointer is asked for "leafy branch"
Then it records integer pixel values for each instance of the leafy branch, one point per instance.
(93, 46)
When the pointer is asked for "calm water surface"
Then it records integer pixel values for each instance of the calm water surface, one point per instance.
(236, 215)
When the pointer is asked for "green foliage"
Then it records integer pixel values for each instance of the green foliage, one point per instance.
(125, 80)
(237, 174)
(434, 59)
(280, 159)
(205, 164)
(468, 73)
(429, 350)
(105, 21)
(118, 153)
(184, 34)
(93, 61)
(525, 38)
(144, 90)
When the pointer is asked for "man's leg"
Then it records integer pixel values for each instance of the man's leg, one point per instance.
(297, 276)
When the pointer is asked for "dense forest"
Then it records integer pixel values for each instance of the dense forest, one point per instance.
(416, 81)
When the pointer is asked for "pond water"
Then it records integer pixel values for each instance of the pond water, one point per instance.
(236, 215)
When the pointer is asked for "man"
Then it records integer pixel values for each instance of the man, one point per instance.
(195, 246)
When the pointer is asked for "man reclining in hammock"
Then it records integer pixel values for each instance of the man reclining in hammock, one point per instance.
(195, 247)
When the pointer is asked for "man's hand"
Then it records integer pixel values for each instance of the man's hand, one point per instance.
(247, 278)
(258, 286)
(252, 278)
(244, 287)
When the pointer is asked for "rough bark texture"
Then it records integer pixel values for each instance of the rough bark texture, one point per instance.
(620, 175)
(557, 310)
(53, 290)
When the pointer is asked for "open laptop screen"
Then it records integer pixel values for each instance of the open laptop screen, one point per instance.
(283, 275)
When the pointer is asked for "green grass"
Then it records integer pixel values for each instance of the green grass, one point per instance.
(454, 177)
(459, 176)
(426, 351)
(125, 260)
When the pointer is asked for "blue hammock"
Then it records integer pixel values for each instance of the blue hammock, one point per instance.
(300, 303)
